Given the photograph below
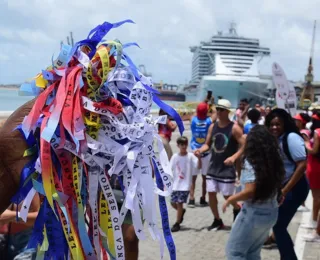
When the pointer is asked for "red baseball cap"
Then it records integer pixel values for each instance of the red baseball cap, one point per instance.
(202, 111)
(316, 117)
(300, 118)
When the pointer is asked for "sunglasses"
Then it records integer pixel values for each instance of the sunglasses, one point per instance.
(221, 109)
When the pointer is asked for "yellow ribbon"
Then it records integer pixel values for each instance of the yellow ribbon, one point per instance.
(106, 224)
(40, 81)
(30, 151)
(72, 239)
(45, 243)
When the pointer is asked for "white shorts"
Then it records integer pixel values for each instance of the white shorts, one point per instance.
(205, 161)
(226, 189)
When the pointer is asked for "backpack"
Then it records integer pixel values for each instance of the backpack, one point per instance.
(286, 150)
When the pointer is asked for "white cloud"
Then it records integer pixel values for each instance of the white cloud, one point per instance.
(292, 9)
(31, 31)
(34, 37)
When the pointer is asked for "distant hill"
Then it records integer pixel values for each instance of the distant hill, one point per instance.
(9, 86)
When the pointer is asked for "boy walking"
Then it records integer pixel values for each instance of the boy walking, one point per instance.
(184, 165)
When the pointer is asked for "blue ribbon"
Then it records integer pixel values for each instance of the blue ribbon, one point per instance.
(123, 98)
(37, 235)
(101, 30)
(96, 35)
(25, 184)
(135, 70)
(120, 180)
(129, 44)
(164, 217)
(58, 247)
(168, 109)
(24, 188)
(48, 75)
(85, 240)
(83, 191)
(64, 57)
(38, 186)
(29, 89)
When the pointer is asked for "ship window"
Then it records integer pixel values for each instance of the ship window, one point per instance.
(234, 58)
(237, 41)
(238, 45)
(236, 54)
(241, 67)
(238, 51)
(237, 62)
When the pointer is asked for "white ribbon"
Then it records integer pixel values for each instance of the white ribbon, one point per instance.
(116, 226)
(93, 194)
(23, 213)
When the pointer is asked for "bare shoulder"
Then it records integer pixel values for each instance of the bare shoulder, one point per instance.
(237, 130)
(211, 128)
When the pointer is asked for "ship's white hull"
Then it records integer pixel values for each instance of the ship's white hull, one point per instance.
(235, 88)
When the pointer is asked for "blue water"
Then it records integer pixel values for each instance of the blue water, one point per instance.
(10, 100)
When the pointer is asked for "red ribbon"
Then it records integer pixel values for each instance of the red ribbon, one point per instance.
(111, 104)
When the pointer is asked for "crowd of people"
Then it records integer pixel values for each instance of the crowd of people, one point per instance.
(276, 158)
(273, 155)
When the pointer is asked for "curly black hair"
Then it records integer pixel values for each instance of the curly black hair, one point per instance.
(254, 115)
(288, 122)
(263, 153)
(315, 123)
(244, 100)
(305, 117)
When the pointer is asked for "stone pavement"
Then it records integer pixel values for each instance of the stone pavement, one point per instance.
(312, 251)
(194, 242)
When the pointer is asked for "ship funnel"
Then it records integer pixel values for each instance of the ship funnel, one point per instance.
(232, 29)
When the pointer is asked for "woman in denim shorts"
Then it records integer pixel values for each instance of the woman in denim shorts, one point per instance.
(261, 179)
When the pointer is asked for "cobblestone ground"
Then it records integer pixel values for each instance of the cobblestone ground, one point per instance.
(194, 242)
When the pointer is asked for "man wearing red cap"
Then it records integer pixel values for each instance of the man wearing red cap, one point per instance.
(199, 126)
(225, 142)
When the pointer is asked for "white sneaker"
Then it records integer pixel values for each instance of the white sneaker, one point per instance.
(314, 237)
(303, 209)
(311, 225)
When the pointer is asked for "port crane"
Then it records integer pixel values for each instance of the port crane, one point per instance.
(70, 40)
(143, 70)
(308, 90)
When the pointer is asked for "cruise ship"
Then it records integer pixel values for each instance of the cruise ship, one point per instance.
(228, 66)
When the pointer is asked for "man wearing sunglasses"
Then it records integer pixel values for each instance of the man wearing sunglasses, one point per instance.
(226, 141)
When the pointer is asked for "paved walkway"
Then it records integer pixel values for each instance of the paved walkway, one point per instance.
(194, 242)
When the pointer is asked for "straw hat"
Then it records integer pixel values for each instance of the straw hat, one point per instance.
(224, 104)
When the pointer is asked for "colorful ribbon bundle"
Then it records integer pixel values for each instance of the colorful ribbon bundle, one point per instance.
(90, 127)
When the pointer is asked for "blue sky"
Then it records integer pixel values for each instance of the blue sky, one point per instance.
(31, 31)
